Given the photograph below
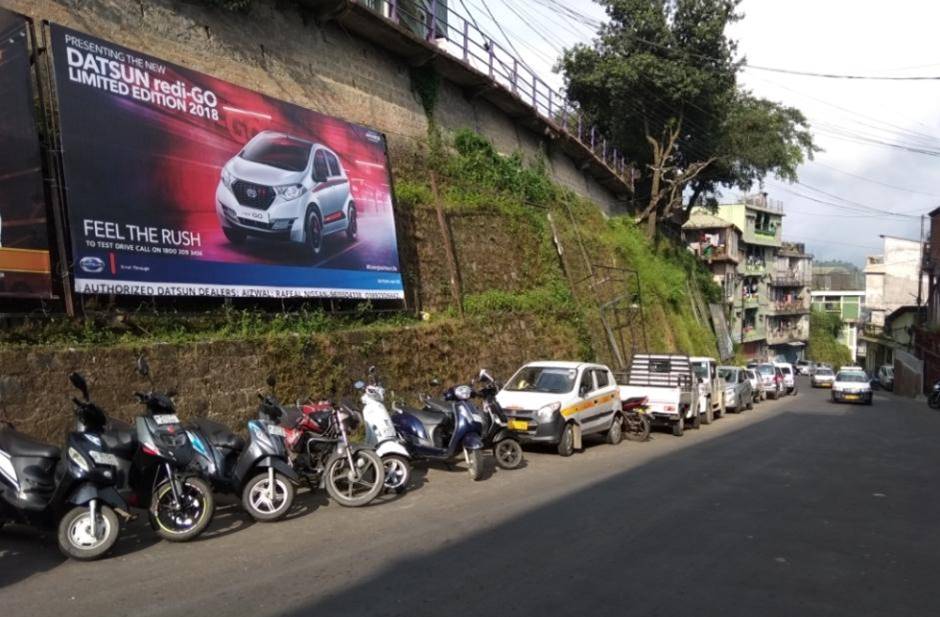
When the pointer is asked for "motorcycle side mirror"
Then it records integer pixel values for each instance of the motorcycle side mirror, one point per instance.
(359, 385)
(172, 392)
(435, 382)
(79, 382)
(271, 381)
(485, 376)
(142, 367)
(372, 370)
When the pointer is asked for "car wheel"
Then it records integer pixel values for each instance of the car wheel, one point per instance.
(566, 443)
(678, 427)
(697, 421)
(352, 227)
(615, 432)
(750, 405)
(235, 236)
(709, 414)
(314, 229)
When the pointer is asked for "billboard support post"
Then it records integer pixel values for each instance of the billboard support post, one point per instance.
(448, 246)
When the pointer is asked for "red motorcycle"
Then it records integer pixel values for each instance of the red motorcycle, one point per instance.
(637, 420)
(317, 439)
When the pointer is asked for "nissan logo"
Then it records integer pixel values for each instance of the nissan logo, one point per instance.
(94, 265)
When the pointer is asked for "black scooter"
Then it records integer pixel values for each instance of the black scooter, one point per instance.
(260, 472)
(496, 435)
(75, 493)
(153, 466)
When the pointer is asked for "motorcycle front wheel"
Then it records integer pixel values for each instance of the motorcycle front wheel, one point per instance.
(475, 464)
(75, 536)
(933, 401)
(179, 522)
(638, 427)
(355, 487)
(508, 454)
(397, 473)
(266, 503)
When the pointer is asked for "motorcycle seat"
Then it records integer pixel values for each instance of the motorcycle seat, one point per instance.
(429, 417)
(218, 434)
(17, 444)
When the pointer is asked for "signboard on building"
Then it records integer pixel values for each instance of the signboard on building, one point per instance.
(24, 239)
(182, 184)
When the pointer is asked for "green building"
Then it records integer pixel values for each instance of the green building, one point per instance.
(848, 306)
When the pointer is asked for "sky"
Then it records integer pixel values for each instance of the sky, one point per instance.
(853, 190)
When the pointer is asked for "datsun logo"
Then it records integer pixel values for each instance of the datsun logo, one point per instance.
(92, 265)
(374, 137)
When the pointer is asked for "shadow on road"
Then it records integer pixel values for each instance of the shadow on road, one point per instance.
(817, 512)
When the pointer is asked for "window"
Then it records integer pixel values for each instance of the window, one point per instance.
(600, 376)
(320, 169)
(334, 164)
(542, 379)
(587, 383)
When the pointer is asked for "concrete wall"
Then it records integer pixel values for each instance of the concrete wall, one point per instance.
(319, 67)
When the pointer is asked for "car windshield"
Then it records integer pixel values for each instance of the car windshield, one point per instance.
(852, 377)
(889, 372)
(545, 379)
(701, 369)
(728, 374)
(766, 369)
(282, 152)
(824, 372)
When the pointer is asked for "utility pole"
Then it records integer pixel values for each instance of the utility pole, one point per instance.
(920, 269)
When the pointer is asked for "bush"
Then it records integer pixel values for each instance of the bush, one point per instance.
(824, 346)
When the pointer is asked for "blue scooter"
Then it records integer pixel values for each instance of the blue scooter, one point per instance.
(443, 429)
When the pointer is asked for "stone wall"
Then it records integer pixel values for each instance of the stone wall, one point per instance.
(279, 52)
(220, 379)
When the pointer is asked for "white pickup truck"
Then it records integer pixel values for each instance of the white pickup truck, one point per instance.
(669, 383)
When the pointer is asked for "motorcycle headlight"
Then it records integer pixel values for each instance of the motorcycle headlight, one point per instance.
(546, 412)
(227, 178)
(290, 191)
(76, 457)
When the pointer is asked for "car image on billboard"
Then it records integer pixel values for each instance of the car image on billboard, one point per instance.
(179, 183)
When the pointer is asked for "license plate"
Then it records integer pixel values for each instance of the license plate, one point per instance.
(519, 425)
(276, 430)
(256, 215)
(852, 397)
(169, 418)
(103, 458)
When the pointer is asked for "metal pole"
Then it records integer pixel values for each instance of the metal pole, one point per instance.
(466, 41)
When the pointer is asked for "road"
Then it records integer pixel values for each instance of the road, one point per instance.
(799, 507)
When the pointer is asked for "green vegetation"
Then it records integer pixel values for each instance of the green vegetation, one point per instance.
(824, 346)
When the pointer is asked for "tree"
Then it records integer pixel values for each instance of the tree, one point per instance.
(660, 81)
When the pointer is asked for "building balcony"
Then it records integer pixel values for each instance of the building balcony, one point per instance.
(750, 334)
(752, 268)
(751, 302)
(780, 336)
(787, 308)
(789, 278)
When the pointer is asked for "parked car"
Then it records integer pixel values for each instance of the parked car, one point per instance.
(559, 402)
(738, 392)
(668, 383)
(885, 377)
(804, 367)
(711, 388)
(851, 386)
(756, 390)
(771, 380)
(822, 377)
(280, 187)
(789, 377)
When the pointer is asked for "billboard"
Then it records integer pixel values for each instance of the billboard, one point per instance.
(182, 184)
(24, 239)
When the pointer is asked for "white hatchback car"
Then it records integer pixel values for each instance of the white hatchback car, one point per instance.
(851, 386)
(284, 188)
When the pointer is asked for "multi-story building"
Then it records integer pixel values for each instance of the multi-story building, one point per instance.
(717, 243)
(895, 286)
(767, 285)
(847, 304)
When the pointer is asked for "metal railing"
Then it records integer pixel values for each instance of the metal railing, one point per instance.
(452, 33)
(789, 278)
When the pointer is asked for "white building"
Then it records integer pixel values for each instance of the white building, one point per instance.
(891, 279)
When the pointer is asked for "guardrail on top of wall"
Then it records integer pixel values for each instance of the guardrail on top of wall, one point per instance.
(451, 32)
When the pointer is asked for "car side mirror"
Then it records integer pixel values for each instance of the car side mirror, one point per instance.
(583, 390)
(79, 382)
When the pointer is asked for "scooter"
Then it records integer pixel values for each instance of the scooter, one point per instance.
(74, 494)
(153, 466)
(444, 429)
(933, 399)
(317, 439)
(381, 434)
(496, 435)
(259, 472)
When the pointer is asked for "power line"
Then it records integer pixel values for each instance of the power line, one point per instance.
(842, 76)
(867, 179)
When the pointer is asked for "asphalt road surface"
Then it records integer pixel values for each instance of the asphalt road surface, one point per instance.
(799, 507)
